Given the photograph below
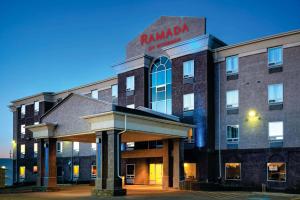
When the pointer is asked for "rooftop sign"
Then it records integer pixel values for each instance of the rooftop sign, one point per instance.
(164, 32)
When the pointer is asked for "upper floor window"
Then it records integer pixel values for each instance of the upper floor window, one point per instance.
(130, 83)
(23, 128)
(232, 133)
(130, 106)
(276, 130)
(232, 171)
(95, 94)
(59, 147)
(23, 150)
(275, 93)
(76, 146)
(93, 146)
(274, 56)
(188, 102)
(23, 110)
(22, 173)
(232, 65)
(114, 91)
(232, 99)
(161, 85)
(36, 106)
(188, 69)
(35, 149)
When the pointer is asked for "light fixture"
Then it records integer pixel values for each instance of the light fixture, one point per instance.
(252, 113)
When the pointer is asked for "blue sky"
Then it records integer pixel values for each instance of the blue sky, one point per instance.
(57, 44)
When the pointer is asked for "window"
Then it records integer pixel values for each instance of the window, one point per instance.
(130, 106)
(75, 172)
(189, 171)
(276, 171)
(59, 171)
(130, 83)
(188, 69)
(35, 169)
(95, 94)
(93, 171)
(233, 171)
(23, 129)
(35, 149)
(275, 93)
(60, 146)
(22, 170)
(232, 133)
(130, 170)
(23, 150)
(36, 106)
(274, 56)
(188, 102)
(276, 130)
(114, 91)
(130, 146)
(35, 123)
(76, 146)
(23, 110)
(232, 99)
(232, 65)
(93, 146)
(161, 85)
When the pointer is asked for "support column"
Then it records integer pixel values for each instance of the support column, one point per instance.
(178, 161)
(101, 160)
(166, 164)
(47, 178)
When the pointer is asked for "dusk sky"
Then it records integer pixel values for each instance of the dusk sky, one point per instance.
(58, 44)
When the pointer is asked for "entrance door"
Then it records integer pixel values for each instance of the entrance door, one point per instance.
(130, 173)
(155, 174)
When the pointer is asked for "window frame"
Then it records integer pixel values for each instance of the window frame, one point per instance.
(93, 92)
(36, 107)
(129, 81)
(75, 146)
(270, 65)
(282, 93)
(186, 109)
(277, 180)
(114, 87)
(270, 138)
(23, 110)
(189, 63)
(232, 141)
(228, 107)
(240, 164)
(237, 68)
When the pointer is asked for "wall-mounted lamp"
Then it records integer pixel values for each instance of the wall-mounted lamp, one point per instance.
(252, 115)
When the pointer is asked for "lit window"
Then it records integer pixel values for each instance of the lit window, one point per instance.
(94, 146)
(35, 123)
(93, 171)
(233, 171)
(232, 133)
(23, 150)
(23, 110)
(35, 149)
(130, 146)
(276, 130)
(161, 85)
(188, 102)
(130, 83)
(130, 106)
(23, 128)
(188, 69)
(276, 171)
(75, 171)
(59, 147)
(274, 56)
(114, 91)
(232, 99)
(76, 146)
(22, 170)
(190, 171)
(232, 65)
(36, 106)
(35, 169)
(275, 93)
(95, 94)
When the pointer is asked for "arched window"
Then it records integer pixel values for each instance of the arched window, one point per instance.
(161, 85)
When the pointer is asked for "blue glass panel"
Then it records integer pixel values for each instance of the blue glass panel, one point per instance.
(169, 106)
(160, 78)
(161, 106)
(157, 62)
(153, 77)
(153, 91)
(169, 91)
(169, 76)
(161, 68)
(161, 95)
(153, 105)
(163, 60)
(153, 68)
(168, 65)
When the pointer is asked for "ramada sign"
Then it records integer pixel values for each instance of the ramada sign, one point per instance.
(169, 36)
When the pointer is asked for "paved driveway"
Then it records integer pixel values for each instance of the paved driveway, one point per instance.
(84, 192)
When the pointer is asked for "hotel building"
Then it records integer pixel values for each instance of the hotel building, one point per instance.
(185, 110)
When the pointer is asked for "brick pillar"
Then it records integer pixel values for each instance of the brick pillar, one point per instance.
(101, 161)
(178, 159)
(47, 177)
(166, 164)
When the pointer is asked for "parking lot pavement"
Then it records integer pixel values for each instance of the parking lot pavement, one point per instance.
(84, 192)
